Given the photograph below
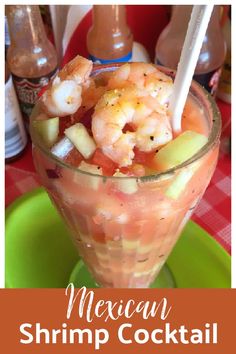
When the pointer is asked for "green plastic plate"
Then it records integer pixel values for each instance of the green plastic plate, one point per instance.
(40, 253)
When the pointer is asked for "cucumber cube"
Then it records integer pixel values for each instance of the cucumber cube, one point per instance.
(179, 150)
(178, 185)
(48, 130)
(181, 180)
(87, 180)
(126, 185)
(80, 137)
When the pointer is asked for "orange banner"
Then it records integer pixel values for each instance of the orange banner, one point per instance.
(111, 321)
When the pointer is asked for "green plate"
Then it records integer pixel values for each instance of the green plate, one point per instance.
(38, 250)
(40, 254)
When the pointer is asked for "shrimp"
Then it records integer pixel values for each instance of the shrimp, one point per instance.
(148, 121)
(93, 89)
(91, 93)
(144, 76)
(63, 97)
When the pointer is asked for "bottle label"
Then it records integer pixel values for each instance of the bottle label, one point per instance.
(27, 90)
(15, 136)
(208, 80)
(123, 59)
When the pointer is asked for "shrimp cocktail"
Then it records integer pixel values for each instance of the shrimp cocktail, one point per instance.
(123, 182)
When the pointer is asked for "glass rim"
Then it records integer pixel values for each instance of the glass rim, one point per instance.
(202, 96)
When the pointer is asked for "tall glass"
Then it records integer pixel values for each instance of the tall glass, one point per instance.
(125, 227)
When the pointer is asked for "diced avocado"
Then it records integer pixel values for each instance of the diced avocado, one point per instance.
(48, 130)
(126, 185)
(80, 137)
(179, 150)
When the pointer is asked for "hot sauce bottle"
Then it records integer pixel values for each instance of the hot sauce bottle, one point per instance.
(109, 40)
(15, 136)
(213, 51)
(31, 57)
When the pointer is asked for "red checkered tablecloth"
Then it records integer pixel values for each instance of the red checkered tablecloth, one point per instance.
(214, 211)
